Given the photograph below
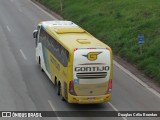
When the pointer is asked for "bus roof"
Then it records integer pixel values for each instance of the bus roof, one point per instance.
(71, 36)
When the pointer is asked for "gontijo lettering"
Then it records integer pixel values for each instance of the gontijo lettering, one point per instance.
(102, 68)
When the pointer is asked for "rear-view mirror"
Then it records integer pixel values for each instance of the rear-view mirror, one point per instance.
(35, 33)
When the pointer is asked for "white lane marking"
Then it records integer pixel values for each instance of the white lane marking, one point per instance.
(137, 79)
(116, 109)
(42, 10)
(54, 109)
(8, 28)
(23, 54)
(113, 106)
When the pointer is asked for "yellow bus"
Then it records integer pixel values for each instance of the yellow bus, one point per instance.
(78, 64)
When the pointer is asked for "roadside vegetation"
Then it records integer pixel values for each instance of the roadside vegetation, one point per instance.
(118, 23)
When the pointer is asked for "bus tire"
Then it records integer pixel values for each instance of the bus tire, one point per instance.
(55, 81)
(62, 98)
(40, 64)
(58, 89)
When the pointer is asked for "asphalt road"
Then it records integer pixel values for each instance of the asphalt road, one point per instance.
(23, 87)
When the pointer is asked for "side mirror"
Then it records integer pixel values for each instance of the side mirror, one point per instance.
(35, 33)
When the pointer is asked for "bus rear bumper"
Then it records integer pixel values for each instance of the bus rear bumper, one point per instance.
(89, 99)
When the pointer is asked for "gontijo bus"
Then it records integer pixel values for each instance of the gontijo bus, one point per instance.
(76, 62)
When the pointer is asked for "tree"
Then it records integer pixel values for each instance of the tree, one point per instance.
(61, 4)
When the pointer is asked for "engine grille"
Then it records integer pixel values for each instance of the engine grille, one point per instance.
(91, 75)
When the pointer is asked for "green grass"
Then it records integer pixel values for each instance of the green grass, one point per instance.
(118, 23)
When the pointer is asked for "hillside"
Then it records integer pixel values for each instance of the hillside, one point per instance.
(118, 23)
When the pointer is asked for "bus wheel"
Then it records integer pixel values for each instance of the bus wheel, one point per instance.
(55, 81)
(40, 64)
(58, 89)
(62, 98)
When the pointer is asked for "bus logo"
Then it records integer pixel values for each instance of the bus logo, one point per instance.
(92, 55)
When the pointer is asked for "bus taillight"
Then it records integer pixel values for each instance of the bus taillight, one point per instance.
(71, 88)
(109, 87)
(108, 49)
(75, 49)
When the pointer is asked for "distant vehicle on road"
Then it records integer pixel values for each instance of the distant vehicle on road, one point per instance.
(76, 62)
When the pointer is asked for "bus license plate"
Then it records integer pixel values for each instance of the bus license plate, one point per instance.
(91, 98)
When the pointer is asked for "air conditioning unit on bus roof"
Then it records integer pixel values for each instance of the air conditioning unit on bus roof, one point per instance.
(59, 23)
(61, 30)
(63, 23)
